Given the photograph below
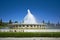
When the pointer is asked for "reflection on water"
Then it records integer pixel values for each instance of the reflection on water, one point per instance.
(39, 38)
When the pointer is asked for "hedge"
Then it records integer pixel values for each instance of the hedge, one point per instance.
(29, 34)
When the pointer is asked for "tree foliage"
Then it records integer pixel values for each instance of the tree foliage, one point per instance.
(10, 21)
(43, 21)
(0, 22)
(16, 21)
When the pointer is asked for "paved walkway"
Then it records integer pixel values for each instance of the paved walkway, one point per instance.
(37, 38)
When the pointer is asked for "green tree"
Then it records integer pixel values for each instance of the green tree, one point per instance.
(58, 22)
(0, 21)
(10, 21)
(48, 22)
(16, 21)
(43, 21)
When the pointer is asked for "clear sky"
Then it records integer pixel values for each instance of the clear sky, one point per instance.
(16, 10)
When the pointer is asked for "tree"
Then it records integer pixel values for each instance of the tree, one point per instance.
(0, 21)
(48, 22)
(58, 22)
(43, 21)
(10, 21)
(16, 21)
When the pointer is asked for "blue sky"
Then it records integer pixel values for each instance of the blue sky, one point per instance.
(16, 10)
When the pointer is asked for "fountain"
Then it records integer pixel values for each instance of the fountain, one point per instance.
(29, 24)
(29, 18)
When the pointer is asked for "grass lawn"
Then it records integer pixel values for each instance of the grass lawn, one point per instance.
(29, 34)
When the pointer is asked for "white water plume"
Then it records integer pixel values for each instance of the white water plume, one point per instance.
(29, 18)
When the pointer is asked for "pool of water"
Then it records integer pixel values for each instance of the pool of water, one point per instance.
(30, 30)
